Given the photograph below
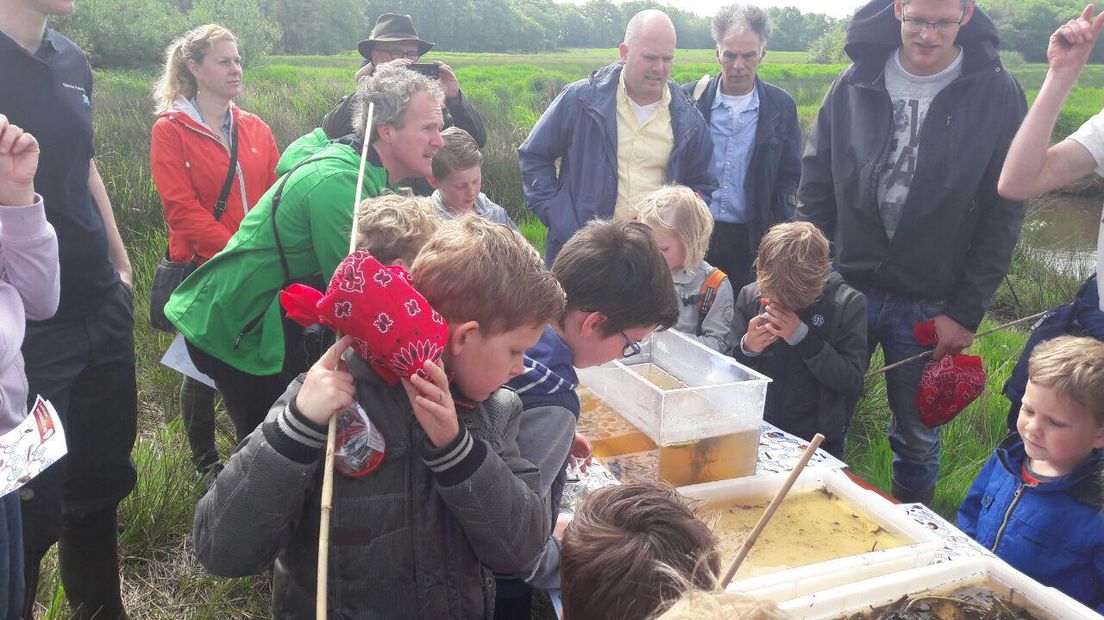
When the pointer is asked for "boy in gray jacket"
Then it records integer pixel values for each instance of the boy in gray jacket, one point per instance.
(804, 327)
(451, 501)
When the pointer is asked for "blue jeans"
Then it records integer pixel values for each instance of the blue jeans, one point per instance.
(11, 557)
(915, 446)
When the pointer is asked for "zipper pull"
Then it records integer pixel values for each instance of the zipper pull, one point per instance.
(948, 120)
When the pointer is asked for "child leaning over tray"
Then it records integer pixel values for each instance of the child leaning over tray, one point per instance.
(1038, 503)
(418, 534)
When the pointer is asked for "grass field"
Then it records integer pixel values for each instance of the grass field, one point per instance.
(162, 579)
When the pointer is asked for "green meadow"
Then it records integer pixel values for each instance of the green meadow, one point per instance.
(162, 579)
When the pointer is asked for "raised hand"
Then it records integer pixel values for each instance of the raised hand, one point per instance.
(432, 403)
(448, 80)
(18, 163)
(328, 388)
(758, 337)
(1071, 45)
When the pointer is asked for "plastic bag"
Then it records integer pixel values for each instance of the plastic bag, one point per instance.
(360, 446)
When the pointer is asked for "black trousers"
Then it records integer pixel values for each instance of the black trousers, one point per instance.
(730, 251)
(247, 397)
(86, 368)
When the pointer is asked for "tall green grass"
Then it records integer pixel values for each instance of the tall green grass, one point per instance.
(162, 578)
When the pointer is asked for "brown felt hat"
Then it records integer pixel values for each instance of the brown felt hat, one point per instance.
(392, 27)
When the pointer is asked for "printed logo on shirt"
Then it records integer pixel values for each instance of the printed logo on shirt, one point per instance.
(908, 117)
(818, 320)
(83, 93)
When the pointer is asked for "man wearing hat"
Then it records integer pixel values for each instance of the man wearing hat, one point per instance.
(394, 39)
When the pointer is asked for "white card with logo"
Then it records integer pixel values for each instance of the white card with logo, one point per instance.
(37, 443)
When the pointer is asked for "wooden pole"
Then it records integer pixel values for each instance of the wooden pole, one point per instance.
(769, 512)
(927, 354)
(331, 432)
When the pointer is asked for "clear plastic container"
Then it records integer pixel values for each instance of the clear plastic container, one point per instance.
(939, 579)
(797, 581)
(699, 409)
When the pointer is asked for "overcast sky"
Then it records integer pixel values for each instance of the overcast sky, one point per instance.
(835, 8)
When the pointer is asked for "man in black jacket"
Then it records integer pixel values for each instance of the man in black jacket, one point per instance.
(756, 142)
(394, 39)
(901, 173)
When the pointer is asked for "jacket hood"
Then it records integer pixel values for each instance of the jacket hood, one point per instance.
(1085, 484)
(308, 145)
(601, 80)
(874, 32)
(183, 110)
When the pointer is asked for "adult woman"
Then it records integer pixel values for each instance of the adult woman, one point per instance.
(192, 146)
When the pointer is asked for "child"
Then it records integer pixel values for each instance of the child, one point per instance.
(394, 227)
(451, 501)
(1037, 501)
(805, 328)
(29, 289)
(618, 291)
(631, 550)
(682, 225)
(457, 177)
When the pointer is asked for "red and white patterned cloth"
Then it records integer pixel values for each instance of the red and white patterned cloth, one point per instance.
(393, 326)
(947, 386)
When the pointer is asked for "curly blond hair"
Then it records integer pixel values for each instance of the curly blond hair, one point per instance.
(793, 264)
(475, 270)
(395, 226)
(176, 80)
(678, 209)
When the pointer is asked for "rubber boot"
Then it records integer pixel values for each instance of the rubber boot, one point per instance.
(89, 561)
(908, 496)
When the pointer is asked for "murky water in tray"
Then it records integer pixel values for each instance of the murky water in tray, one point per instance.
(809, 527)
(970, 603)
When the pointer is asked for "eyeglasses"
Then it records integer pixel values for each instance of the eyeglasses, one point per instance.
(400, 54)
(920, 25)
(631, 347)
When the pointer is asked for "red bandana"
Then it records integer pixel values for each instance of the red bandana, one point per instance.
(393, 326)
(947, 386)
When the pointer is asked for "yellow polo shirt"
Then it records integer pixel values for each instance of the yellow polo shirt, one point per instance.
(643, 149)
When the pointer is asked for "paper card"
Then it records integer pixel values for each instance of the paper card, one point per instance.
(34, 445)
(177, 358)
(955, 542)
(780, 451)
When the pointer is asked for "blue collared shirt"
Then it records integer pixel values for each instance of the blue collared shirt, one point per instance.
(733, 142)
(227, 123)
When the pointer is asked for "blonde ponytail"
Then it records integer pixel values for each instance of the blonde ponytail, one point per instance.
(176, 80)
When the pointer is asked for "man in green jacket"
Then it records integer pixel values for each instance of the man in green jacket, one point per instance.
(229, 311)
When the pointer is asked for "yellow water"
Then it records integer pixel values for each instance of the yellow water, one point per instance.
(657, 376)
(809, 527)
(704, 460)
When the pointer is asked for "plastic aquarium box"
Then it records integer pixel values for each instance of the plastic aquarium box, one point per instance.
(939, 579)
(719, 397)
(802, 580)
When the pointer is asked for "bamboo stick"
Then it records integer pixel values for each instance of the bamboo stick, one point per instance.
(926, 354)
(326, 506)
(769, 512)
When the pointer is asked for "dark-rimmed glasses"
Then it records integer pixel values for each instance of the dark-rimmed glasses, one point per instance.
(916, 24)
(395, 54)
(631, 347)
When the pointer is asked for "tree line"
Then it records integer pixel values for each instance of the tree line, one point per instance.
(134, 33)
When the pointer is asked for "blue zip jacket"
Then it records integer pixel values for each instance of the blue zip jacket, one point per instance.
(580, 129)
(1053, 532)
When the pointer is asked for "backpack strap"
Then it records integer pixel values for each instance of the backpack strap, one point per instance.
(699, 88)
(708, 295)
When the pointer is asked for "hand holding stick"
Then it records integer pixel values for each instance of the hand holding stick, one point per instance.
(769, 512)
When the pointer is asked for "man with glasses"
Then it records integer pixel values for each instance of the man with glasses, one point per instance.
(900, 172)
(756, 142)
(394, 39)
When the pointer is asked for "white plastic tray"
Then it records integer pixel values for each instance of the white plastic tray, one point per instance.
(799, 581)
(943, 578)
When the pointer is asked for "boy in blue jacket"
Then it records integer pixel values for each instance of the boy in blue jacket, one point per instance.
(1038, 501)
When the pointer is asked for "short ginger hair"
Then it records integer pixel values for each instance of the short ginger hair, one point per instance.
(1074, 368)
(793, 265)
(716, 604)
(393, 226)
(475, 270)
(631, 551)
(459, 152)
(678, 210)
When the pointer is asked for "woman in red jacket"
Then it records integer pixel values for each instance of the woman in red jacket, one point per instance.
(190, 155)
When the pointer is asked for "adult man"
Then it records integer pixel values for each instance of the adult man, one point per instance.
(620, 133)
(756, 142)
(394, 40)
(82, 360)
(901, 173)
(229, 309)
